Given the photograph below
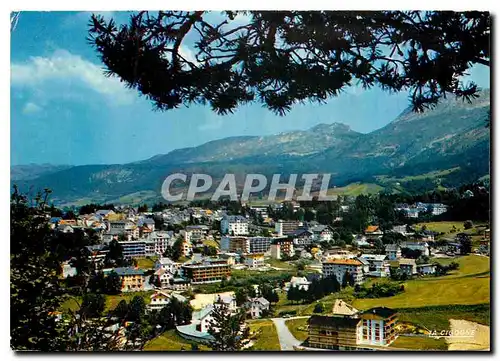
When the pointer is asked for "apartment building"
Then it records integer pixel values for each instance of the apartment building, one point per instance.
(206, 271)
(259, 244)
(234, 225)
(285, 228)
(339, 267)
(281, 247)
(235, 244)
(132, 278)
(157, 242)
(374, 327)
(133, 248)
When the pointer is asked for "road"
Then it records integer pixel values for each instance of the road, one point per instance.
(287, 341)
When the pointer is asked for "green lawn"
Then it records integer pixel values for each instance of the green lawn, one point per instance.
(355, 189)
(266, 337)
(113, 300)
(470, 285)
(444, 227)
(306, 309)
(146, 263)
(171, 341)
(420, 343)
(298, 328)
(437, 317)
(210, 242)
(278, 264)
(469, 266)
(71, 304)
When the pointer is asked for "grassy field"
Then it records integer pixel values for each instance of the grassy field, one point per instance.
(437, 317)
(298, 328)
(469, 266)
(210, 242)
(171, 341)
(420, 343)
(146, 263)
(307, 309)
(430, 175)
(71, 304)
(355, 189)
(468, 286)
(113, 300)
(442, 227)
(446, 227)
(266, 336)
(278, 264)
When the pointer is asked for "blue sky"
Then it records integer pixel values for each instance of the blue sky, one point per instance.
(64, 111)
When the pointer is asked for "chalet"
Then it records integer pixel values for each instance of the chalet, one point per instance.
(408, 266)
(393, 252)
(257, 307)
(322, 233)
(426, 269)
(166, 264)
(373, 231)
(166, 278)
(302, 237)
(298, 282)
(160, 299)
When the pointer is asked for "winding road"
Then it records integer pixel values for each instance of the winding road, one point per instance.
(287, 340)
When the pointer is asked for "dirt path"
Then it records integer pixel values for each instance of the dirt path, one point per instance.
(466, 335)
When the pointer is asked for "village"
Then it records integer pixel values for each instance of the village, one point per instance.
(301, 284)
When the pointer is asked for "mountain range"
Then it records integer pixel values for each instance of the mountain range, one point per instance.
(453, 135)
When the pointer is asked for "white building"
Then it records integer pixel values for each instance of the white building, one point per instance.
(298, 282)
(167, 264)
(157, 242)
(234, 225)
(160, 299)
(339, 267)
(378, 266)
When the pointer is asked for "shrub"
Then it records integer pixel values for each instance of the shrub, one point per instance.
(318, 308)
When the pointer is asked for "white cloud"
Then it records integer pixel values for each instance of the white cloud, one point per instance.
(71, 70)
(31, 108)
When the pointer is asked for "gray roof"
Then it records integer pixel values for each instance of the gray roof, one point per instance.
(128, 271)
(391, 247)
(199, 315)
